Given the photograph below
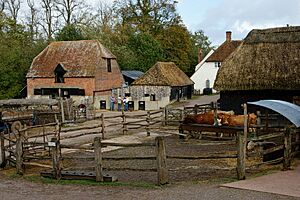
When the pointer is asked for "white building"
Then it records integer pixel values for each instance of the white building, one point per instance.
(206, 71)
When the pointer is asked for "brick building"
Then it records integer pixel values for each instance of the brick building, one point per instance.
(84, 70)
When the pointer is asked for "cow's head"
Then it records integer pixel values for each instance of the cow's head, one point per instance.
(252, 119)
(224, 118)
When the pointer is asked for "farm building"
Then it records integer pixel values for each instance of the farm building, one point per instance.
(160, 85)
(206, 71)
(84, 70)
(265, 66)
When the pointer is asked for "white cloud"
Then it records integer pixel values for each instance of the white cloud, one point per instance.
(242, 16)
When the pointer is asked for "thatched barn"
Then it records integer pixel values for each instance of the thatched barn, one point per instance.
(83, 70)
(265, 66)
(160, 85)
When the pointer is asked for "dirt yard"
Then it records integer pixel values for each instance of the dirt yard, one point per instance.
(183, 173)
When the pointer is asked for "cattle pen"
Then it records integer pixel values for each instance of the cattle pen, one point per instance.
(72, 152)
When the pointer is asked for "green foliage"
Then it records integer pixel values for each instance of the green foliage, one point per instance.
(16, 54)
(146, 49)
(145, 15)
(199, 41)
(138, 32)
(177, 44)
(69, 33)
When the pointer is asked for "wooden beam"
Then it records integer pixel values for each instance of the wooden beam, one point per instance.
(98, 159)
(161, 158)
(242, 144)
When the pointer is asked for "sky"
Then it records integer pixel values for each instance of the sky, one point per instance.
(215, 17)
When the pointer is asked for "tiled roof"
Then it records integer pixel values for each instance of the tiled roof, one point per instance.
(223, 51)
(164, 73)
(78, 58)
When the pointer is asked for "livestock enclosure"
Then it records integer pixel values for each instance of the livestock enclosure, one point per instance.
(144, 146)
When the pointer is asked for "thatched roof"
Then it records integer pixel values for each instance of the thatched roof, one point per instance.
(223, 51)
(267, 59)
(78, 58)
(164, 74)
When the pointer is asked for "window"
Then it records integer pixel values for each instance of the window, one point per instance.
(207, 83)
(59, 74)
(37, 92)
(217, 64)
(146, 95)
(152, 97)
(108, 63)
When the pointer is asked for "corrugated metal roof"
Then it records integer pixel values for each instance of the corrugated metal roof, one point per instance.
(133, 74)
(288, 110)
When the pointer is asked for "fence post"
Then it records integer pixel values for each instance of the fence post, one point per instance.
(123, 122)
(195, 109)
(287, 148)
(148, 118)
(164, 117)
(296, 140)
(2, 149)
(181, 115)
(19, 155)
(242, 144)
(161, 158)
(56, 158)
(98, 159)
(62, 109)
(102, 125)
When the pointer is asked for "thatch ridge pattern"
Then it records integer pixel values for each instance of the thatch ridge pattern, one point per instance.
(261, 66)
(274, 35)
(164, 74)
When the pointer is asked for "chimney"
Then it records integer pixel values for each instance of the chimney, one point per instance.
(228, 36)
(199, 55)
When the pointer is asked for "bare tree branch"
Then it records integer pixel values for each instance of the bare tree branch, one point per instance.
(13, 7)
(48, 9)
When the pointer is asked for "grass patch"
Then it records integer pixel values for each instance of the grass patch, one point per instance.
(217, 180)
(39, 179)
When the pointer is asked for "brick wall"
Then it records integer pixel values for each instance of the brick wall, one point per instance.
(108, 80)
(88, 84)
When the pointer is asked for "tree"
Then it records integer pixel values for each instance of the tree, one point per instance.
(32, 19)
(176, 43)
(16, 54)
(67, 9)
(147, 51)
(13, 7)
(49, 18)
(70, 33)
(202, 42)
(199, 42)
(2, 5)
(149, 16)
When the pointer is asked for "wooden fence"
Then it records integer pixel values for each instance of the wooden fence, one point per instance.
(56, 148)
(24, 148)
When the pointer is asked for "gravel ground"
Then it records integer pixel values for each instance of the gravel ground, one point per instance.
(188, 177)
(15, 189)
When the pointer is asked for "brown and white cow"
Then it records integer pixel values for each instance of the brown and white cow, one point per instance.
(223, 119)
